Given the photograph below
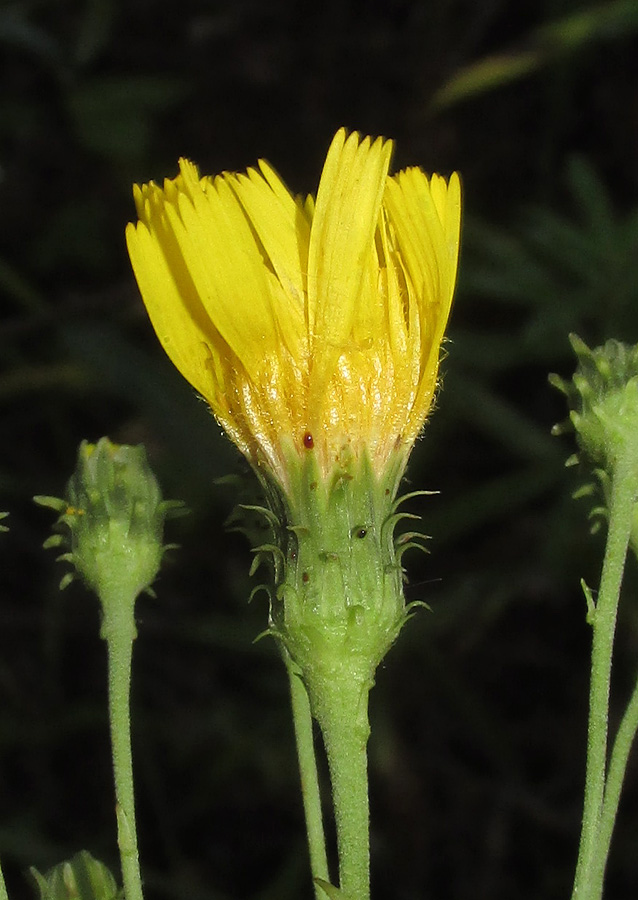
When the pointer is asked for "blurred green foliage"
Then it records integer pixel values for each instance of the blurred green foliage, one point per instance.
(477, 756)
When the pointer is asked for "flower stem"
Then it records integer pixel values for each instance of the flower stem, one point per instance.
(309, 781)
(118, 629)
(343, 718)
(617, 767)
(591, 863)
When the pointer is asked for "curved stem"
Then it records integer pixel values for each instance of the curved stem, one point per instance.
(621, 507)
(118, 629)
(302, 718)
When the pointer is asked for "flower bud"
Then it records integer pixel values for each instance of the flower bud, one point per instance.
(603, 397)
(80, 878)
(115, 514)
(603, 400)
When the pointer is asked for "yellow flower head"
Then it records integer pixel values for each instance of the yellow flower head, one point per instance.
(313, 324)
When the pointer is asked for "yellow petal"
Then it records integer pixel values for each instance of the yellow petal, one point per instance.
(227, 269)
(341, 241)
(173, 307)
(283, 230)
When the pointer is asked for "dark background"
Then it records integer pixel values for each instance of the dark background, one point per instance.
(479, 713)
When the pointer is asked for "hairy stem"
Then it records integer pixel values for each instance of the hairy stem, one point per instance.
(118, 629)
(615, 777)
(302, 718)
(591, 864)
(343, 717)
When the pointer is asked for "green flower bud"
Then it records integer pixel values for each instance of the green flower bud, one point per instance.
(80, 878)
(115, 514)
(603, 397)
(3, 516)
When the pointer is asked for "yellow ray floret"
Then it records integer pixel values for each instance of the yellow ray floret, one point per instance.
(304, 323)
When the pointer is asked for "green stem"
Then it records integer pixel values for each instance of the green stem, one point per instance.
(615, 777)
(302, 718)
(343, 717)
(621, 507)
(118, 629)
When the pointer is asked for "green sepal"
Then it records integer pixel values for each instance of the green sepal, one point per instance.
(410, 545)
(403, 497)
(393, 520)
(412, 608)
(257, 590)
(407, 536)
(267, 632)
(268, 514)
(173, 509)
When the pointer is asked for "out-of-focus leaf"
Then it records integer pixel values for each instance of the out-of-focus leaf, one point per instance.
(114, 115)
(602, 21)
(545, 45)
(571, 270)
(486, 75)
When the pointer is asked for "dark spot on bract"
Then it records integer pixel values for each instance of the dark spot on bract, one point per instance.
(308, 441)
(305, 577)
